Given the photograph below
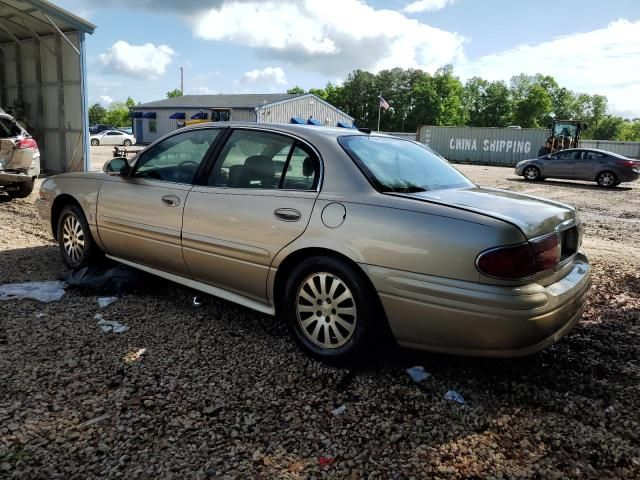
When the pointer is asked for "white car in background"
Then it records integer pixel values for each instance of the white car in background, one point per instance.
(19, 158)
(113, 137)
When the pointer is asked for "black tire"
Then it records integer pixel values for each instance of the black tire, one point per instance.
(88, 253)
(532, 173)
(127, 143)
(607, 179)
(365, 323)
(23, 191)
(95, 142)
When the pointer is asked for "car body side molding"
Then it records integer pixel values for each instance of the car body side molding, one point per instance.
(203, 287)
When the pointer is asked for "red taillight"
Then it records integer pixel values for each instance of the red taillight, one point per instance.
(629, 163)
(520, 261)
(26, 143)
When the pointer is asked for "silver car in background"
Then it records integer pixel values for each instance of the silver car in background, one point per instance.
(347, 236)
(607, 169)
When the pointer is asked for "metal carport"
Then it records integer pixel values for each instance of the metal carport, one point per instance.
(43, 79)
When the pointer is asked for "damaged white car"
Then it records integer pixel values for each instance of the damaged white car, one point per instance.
(19, 158)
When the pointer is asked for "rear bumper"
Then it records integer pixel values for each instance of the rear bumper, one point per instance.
(7, 178)
(467, 318)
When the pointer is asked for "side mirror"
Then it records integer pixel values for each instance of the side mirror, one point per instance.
(116, 166)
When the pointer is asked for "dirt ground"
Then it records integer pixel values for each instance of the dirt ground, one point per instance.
(221, 392)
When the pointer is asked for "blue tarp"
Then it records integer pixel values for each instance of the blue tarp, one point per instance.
(177, 116)
(136, 114)
(199, 116)
(149, 115)
(298, 120)
(345, 125)
(313, 121)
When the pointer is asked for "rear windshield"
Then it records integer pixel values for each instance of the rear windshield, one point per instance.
(8, 128)
(395, 165)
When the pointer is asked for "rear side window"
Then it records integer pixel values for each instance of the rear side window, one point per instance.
(264, 160)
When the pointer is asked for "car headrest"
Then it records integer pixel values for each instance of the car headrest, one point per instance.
(260, 168)
(308, 167)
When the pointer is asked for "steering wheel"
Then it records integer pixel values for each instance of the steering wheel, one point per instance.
(186, 162)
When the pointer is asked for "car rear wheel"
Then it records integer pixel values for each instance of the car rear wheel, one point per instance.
(329, 308)
(95, 142)
(531, 173)
(607, 179)
(127, 143)
(74, 238)
(23, 190)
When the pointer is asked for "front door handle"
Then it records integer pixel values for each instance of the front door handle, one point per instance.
(171, 200)
(287, 214)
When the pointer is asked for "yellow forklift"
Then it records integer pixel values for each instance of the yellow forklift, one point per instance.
(563, 134)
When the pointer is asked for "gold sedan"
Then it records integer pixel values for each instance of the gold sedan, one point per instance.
(344, 234)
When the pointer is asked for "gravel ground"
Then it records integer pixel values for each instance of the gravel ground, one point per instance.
(222, 393)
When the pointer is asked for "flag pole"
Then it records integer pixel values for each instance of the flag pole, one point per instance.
(379, 108)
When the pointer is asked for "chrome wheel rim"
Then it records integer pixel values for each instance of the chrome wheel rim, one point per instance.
(326, 310)
(73, 238)
(531, 173)
(607, 179)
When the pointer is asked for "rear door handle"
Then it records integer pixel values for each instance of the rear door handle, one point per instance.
(287, 214)
(171, 200)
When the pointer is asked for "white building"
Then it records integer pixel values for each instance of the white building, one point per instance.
(152, 120)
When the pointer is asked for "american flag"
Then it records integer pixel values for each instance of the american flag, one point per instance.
(383, 103)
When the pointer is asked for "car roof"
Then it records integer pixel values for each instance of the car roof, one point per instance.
(597, 150)
(307, 132)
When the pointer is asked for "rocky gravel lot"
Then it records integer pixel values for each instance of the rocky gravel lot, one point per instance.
(221, 392)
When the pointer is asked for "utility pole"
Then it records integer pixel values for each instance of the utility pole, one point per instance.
(181, 80)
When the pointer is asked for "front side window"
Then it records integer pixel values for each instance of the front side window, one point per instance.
(114, 133)
(177, 158)
(395, 165)
(255, 159)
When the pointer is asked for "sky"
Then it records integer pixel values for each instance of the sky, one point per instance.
(261, 46)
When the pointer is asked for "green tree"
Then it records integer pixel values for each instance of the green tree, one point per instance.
(630, 131)
(296, 90)
(130, 102)
(118, 115)
(609, 128)
(97, 114)
(319, 92)
(176, 92)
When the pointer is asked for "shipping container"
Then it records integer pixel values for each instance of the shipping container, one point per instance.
(628, 149)
(490, 146)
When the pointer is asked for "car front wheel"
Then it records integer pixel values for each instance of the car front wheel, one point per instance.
(95, 142)
(330, 308)
(74, 238)
(531, 173)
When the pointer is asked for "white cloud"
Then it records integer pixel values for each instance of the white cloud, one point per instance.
(146, 61)
(105, 100)
(604, 61)
(309, 34)
(269, 78)
(426, 6)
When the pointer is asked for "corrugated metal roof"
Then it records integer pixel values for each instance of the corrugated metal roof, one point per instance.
(246, 100)
(23, 19)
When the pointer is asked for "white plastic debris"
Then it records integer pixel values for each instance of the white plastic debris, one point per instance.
(110, 325)
(50, 291)
(197, 302)
(418, 373)
(41, 314)
(106, 301)
(339, 411)
(454, 396)
(134, 355)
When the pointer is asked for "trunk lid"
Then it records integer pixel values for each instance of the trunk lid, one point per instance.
(534, 216)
